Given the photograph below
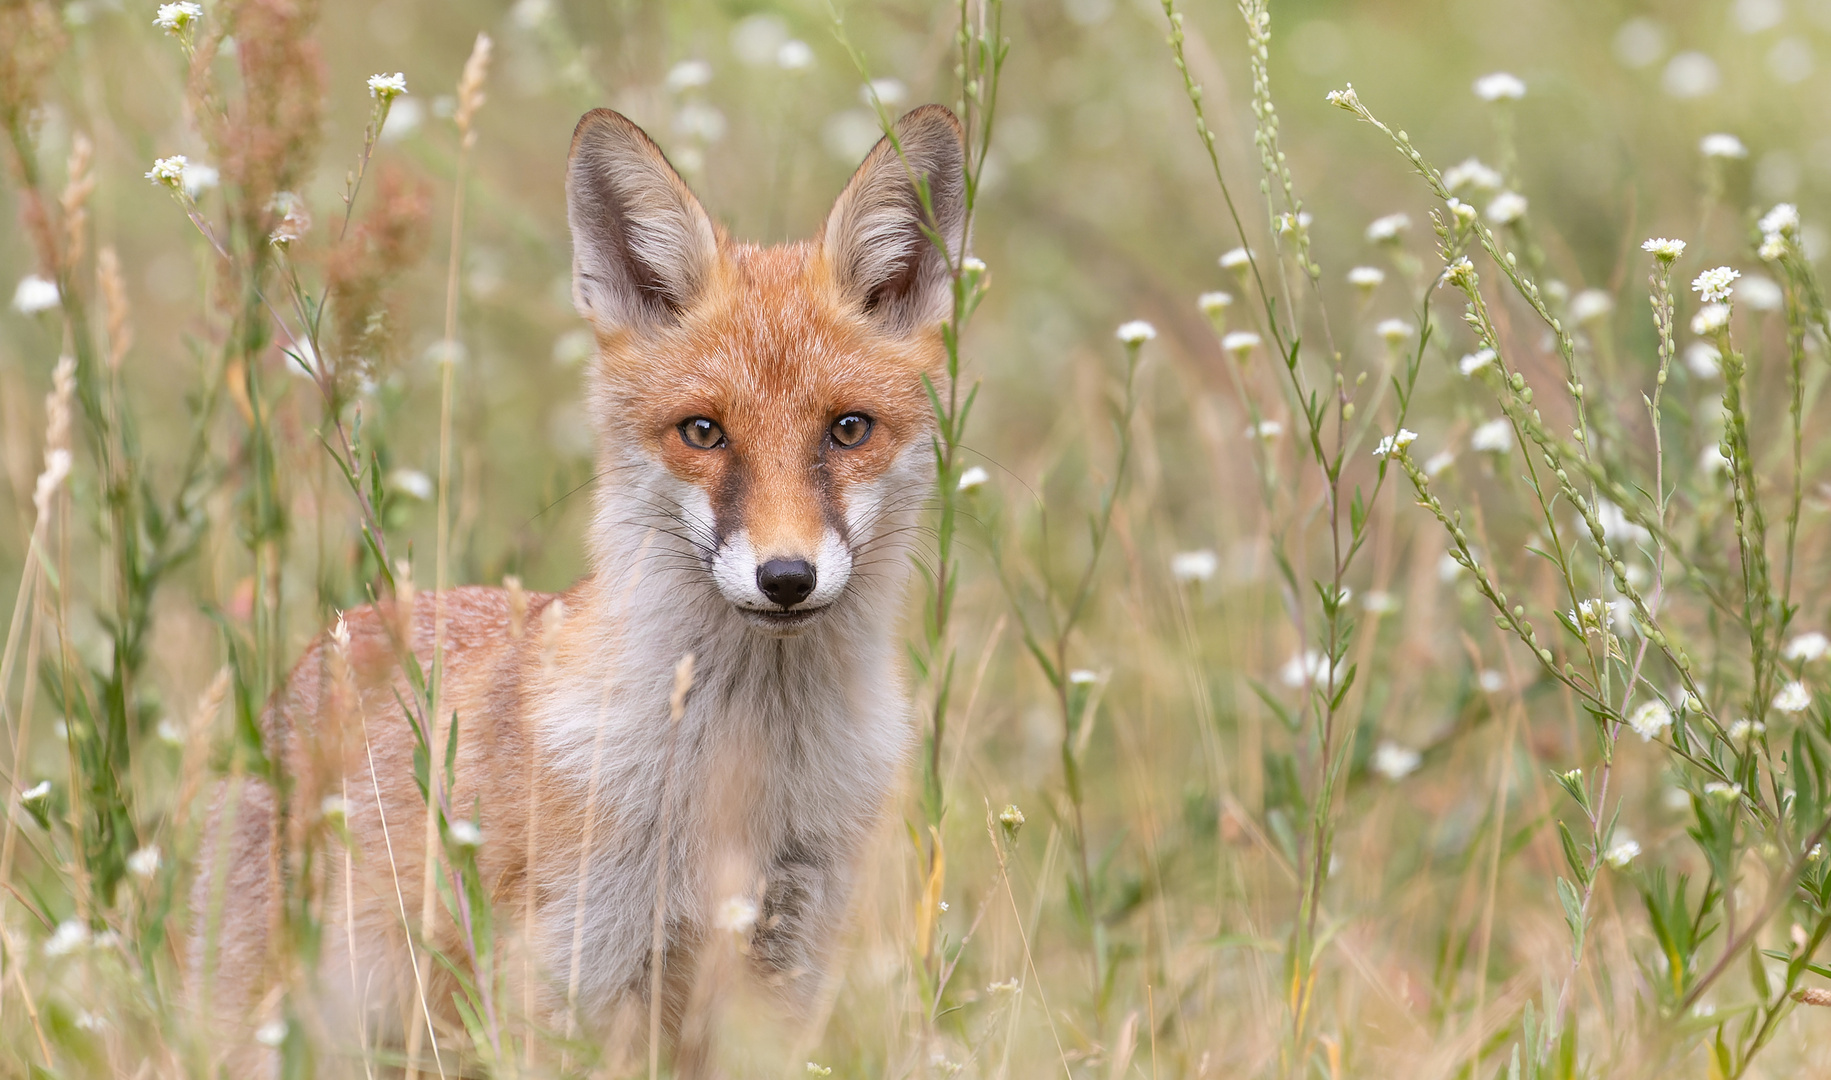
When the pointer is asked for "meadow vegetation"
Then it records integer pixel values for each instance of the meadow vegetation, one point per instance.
(1373, 614)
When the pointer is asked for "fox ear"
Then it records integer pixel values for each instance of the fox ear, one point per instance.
(874, 239)
(642, 248)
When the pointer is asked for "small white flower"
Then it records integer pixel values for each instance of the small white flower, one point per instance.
(1507, 208)
(1710, 460)
(1395, 762)
(36, 792)
(1290, 224)
(175, 19)
(1622, 852)
(271, 1034)
(1236, 260)
(1475, 361)
(199, 178)
(35, 294)
(737, 915)
(1083, 677)
(1716, 284)
(1136, 332)
(1392, 444)
(1460, 273)
(1438, 462)
(1011, 817)
(89, 1021)
(1471, 173)
(1494, 437)
(1761, 293)
(889, 91)
(295, 219)
(1187, 566)
(795, 55)
(1793, 697)
(1466, 214)
(1380, 602)
(145, 862)
(1650, 720)
(1664, 249)
(1214, 304)
(1809, 647)
(1491, 681)
(387, 87)
(1386, 230)
(1726, 792)
(1782, 219)
(71, 935)
(1590, 305)
(819, 1070)
(972, 266)
(1304, 668)
(1394, 331)
(1817, 853)
(1702, 358)
(1008, 986)
(411, 482)
(1264, 429)
(1745, 729)
(465, 833)
(974, 478)
(168, 171)
(1710, 318)
(1500, 86)
(1367, 278)
(1344, 98)
(1449, 568)
(1240, 343)
(335, 809)
(942, 905)
(1722, 146)
(688, 74)
(1774, 247)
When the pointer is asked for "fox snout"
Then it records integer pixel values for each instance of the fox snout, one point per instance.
(777, 587)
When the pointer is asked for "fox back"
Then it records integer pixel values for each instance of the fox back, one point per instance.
(702, 735)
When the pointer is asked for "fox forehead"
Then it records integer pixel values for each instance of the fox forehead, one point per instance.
(773, 352)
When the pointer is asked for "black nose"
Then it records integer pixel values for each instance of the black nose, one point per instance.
(786, 581)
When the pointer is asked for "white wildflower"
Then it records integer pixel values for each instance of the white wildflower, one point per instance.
(1507, 208)
(1466, 214)
(1344, 98)
(1214, 304)
(1475, 361)
(1590, 305)
(1622, 852)
(1650, 720)
(35, 294)
(1809, 647)
(89, 1021)
(145, 862)
(1691, 74)
(1438, 462)
(1186, 566)
(199, 178)
(1460, 273)
(1011, 817)
(974, 478)
(1617, 528)
(1773, 248)
(1306, 667)
(387, 87)
(36, 793)
(335, 809)
(1722, 146)
(1367, 278)
(1394, 331)
(1663, 249)
(175, 19)
(71, 935)
(1702, 358)
(1491, 681)
(1386, 230)
(887, 90)
(1782, 219)
(1494, 437)
(1083, 677)
(1449, 567)
(1264, 429)
(1710, 460)
(1236, 260)
(1395, 762)
(736, 915)
(1726, 792)
(1710, 318)
(411, 482)
(1240, 343)
(1761, 293)
(688, 74)
(1793, 697)
(1136, 332)
(1008, 986)
(1500, 86)
(168, 171)
(1392, 444)
(1290, 224)
(814, 1069)
(271, 1034)
(1716, 284)
(795, 55)
(1380, 602)
(1817, 853)
(1744, 730)
(1472, 173)
(465, 834)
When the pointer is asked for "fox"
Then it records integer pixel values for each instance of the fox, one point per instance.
(674, 768)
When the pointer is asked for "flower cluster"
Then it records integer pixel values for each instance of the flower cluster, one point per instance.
(1664, 250)
(1779, 227)
(1136, 332)
(178, 19)
(1386, 230)
(1716, 284)
(1500, 86)
(1394, 444)
(385, 88)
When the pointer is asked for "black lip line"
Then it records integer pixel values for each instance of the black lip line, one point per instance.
(785, 616)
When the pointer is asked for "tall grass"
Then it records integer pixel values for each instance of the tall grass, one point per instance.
(1402, 651)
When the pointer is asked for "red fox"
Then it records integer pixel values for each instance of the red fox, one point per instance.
(764, 441)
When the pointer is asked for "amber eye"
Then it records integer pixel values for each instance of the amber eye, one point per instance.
(701, 433)
(851, 430)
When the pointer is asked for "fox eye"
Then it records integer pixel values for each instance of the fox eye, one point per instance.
(701, 433)
(851, 430)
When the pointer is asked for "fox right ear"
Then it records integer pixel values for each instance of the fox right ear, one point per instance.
(642, 247)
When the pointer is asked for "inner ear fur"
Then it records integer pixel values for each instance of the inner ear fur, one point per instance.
(643, 248)
(874, 241)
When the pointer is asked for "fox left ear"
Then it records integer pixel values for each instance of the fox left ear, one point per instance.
(875, 241)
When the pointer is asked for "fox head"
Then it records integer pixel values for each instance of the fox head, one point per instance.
(762, 413)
